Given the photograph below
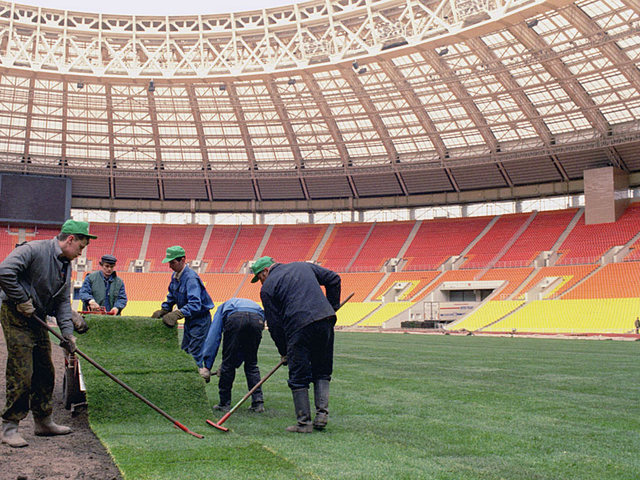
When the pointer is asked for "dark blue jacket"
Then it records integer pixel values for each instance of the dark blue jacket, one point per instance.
(292, 298)
(188, 294)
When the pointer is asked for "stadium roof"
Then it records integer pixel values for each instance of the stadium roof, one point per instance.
(323, 104)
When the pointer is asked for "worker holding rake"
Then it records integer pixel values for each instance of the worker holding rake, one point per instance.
(301, 319)
(187, 292)
(35, 279)
(242, 322)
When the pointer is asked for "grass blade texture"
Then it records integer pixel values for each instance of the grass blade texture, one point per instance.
(402, 407)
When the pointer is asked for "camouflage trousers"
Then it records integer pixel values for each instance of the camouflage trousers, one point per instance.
(30, 374)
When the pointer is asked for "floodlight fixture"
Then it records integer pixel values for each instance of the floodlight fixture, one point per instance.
(222, 87)
(355, 65)
(362, 70)
(80, 85)
(292, 81)
(152, 87)
(443, 52)
(532, 23)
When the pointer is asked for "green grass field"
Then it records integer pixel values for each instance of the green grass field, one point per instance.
(402, 407)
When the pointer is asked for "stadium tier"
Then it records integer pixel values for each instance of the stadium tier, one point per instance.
(219, 246)
(162, 236)
(245, 247)
(438, 240)
(485, 251)
(128, 243)
(294, 243)
(384, 242)
(488, 313)
(345, 242)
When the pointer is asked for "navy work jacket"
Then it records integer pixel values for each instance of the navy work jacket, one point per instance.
(292, 298)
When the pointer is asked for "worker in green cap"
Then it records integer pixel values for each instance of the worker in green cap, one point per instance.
(35, 279)
(187, 292)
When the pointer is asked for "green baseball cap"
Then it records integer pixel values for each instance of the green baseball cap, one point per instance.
(75, 227)
(259, 265)
(174, 252)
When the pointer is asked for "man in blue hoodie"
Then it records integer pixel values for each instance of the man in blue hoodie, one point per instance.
(187, 292)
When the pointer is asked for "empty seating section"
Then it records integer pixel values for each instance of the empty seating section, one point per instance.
(146, 286)
(385, 313)
(104, 244)
(342, 245)
(188, 237)
(514, 277)
(587, 243)
(448, 276)
(8, 240)
(575, 272)
(245, 247)
(128, 242)
(385, 242)
(492, 242)
(418, 280)
(222, 286)
(608, 315)
(540, 236)
(294, 243)
(615, 280)
(487, 313)
(359, 283)
(250, 290)
(353, 312)
(438, 240)
(219, 245)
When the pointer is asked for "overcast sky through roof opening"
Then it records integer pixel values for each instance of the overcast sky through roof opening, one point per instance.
(149, 7)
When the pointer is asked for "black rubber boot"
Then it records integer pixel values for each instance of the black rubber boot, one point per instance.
(321, 397)
(303, 411)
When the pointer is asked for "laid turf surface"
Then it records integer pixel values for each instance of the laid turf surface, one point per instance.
(402, 407)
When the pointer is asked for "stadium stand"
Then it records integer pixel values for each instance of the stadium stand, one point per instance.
(343, 243)
(540, 236)
(514, 277)
(587, 243)
(104, 244)
(615, 280)
(188, 237)
(245, 247)
(360, 283)
(294, 243)
(222, 286)
(8, 240)
(383, 243)
(219, 246)
(489, 312)
(571, 274)
(384, 314)
(609, 315)
(448, 276)
(352, 312)
(439, 239)
(418, 281)
(483, 252)
(127, 243)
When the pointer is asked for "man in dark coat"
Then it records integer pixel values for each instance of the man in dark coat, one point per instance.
(301, 319)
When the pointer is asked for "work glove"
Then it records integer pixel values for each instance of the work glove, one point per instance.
(26, 308)
(68, 343)
(79, 323)
(171, 318)
(159, 313)
(205, 373)
(93, 305)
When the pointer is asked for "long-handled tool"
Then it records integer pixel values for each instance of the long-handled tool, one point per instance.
(120, 382)
(249, 393)
(257, 386)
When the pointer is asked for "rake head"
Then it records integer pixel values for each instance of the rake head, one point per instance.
(218, 426)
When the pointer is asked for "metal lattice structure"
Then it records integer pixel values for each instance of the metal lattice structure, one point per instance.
(325, 104)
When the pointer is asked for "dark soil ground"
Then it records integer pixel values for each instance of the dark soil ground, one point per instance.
(79, 456)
